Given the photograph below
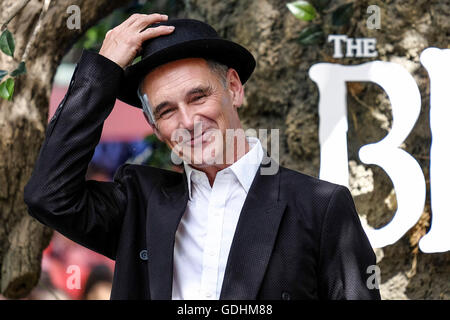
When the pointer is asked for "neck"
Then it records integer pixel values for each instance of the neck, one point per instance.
(211, 170)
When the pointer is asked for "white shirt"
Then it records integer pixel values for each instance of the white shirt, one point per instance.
(204, 235)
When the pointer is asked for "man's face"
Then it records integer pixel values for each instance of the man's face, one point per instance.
(193, 109)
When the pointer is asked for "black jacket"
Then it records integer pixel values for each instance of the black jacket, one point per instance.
(297, 237)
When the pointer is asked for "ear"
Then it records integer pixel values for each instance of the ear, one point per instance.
(235, 87)
(155, 130)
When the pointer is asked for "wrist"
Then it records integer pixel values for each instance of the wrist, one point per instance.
(93, 65)
(110, 58)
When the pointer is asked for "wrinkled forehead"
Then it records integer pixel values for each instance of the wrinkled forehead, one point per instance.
(175, 75)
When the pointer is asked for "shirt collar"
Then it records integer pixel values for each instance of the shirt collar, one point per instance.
(244, 169)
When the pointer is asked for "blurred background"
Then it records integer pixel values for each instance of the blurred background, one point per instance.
(37, 263)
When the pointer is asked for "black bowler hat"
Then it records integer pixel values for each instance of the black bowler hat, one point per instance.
(191, 38)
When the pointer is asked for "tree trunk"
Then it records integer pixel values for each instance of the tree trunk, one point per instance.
(22, 125)
(280, 94)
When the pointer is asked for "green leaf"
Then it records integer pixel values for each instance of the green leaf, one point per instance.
(136, 60)
(7, 89)
(2, 74)
(21, 69)
(311, 35)
(302, 10)
(7, 43)
(342, 14)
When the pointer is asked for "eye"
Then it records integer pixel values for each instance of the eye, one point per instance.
(166, 112)
(197, 98)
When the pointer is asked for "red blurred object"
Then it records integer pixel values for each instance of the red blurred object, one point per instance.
(63, 253)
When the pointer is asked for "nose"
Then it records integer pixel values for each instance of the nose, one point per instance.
(186, 119)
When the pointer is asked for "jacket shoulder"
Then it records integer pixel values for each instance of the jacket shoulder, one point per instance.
(306, 184)
(145, 174)
(309, 194)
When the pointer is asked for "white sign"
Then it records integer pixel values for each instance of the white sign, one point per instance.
(359, 47)
(401, 167)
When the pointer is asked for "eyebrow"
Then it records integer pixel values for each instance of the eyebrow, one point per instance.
(202, 89)
(206, 90)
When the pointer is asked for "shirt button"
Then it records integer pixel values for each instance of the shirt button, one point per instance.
(208, 294)
(143, 255)
(285, 296)
(212, 253)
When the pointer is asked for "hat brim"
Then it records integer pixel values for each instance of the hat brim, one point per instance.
(227, 52)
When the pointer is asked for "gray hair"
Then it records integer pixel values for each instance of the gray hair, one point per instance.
(216, 67)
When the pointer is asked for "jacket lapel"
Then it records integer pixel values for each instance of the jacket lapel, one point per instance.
(164, 212)
(254, 237)
(252, 244)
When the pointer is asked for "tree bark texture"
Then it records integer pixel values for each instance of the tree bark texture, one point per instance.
(22, 125)
(281, 95)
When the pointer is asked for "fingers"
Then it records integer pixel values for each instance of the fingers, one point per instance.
(122, 43)
(156, 32)
(144, 20)
(131, 19)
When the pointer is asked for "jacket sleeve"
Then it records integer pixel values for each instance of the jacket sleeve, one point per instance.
(57, 194)
(345, 253)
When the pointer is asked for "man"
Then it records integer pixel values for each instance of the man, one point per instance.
(219, 230)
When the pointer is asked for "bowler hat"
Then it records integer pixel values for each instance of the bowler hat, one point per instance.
(191, 38)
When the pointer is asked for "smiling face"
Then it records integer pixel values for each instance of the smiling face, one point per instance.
(193, 109)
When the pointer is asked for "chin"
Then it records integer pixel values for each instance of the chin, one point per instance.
(206, 158)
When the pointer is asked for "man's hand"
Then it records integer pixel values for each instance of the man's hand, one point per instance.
(123, 42)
